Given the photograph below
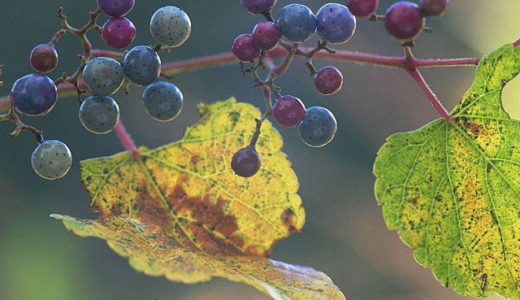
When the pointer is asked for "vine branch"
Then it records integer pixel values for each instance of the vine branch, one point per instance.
(72, 84)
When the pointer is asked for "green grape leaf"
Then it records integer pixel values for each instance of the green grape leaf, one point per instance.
(179, 211)
(452, 190)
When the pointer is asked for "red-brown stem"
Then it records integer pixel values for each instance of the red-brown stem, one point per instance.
(67, 89)
(423, 63)
(417, 76)
(125, 139)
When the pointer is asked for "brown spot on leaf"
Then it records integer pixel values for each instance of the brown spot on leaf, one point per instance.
(211, 219)
(150, 211)
(474, 128)
(287, 218)
(195, 159)
(116, 210)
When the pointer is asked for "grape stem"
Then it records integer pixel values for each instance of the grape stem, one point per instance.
(20, 126)
(125, 139)
(222, 59)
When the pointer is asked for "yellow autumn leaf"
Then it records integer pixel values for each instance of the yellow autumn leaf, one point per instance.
(179, 211)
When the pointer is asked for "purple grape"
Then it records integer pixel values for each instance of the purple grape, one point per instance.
(318, 128)
(258, 6)
(335, 23)
(289, 111)
(362, 8)
(244, 48)
(118, 32)
(297, 22)
(434, 8)
(44, 58)
(266, 36)
(404, 20)
(34, 95)
(246, 162)
(328, 80)
(116, 8)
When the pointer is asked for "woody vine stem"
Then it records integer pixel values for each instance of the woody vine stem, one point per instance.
(73, 85)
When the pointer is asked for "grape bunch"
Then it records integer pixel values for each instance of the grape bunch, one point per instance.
(296, 23)
(102, 77)
(335, 23)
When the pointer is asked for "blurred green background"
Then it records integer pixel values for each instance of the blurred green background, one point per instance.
(345, 235)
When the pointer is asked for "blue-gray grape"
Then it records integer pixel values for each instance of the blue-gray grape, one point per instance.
(103, 76)
(51, 160)
(142, 65)
(34, 95)
(335, 23)
(163, 101)
(297, 22)
(99, 114)
(170, 26)
(318, 128)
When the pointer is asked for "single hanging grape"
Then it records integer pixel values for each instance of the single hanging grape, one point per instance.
(289, 111)
(335, 23)
(34, 95)
(296, 22)
(328, 80)
(118, 32)
(266, 36)
(244, 48)
(44, 58)
(99, 114)
(404, 21)
(103, 76)
(116, 8)
(246, 162)
(434, 8)
(51, 160)
(318, 128)
(163, 101)
(362, 8)
(142, 65)
(170, 26)
(258, 6)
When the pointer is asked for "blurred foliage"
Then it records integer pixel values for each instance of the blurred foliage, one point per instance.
(345, 235)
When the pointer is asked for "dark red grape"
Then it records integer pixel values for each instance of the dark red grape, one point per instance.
(404, 20)
(289, 111)
(362, 8)
(44, 58)
(244, 48)
(118, 32)
(116, 8)
(266, 36)
(258, 6)
(434, 8)
(328, 80)
(246, 162)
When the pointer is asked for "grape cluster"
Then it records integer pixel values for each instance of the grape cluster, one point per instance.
(296, 23)
(335, 23)
(36, 94)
